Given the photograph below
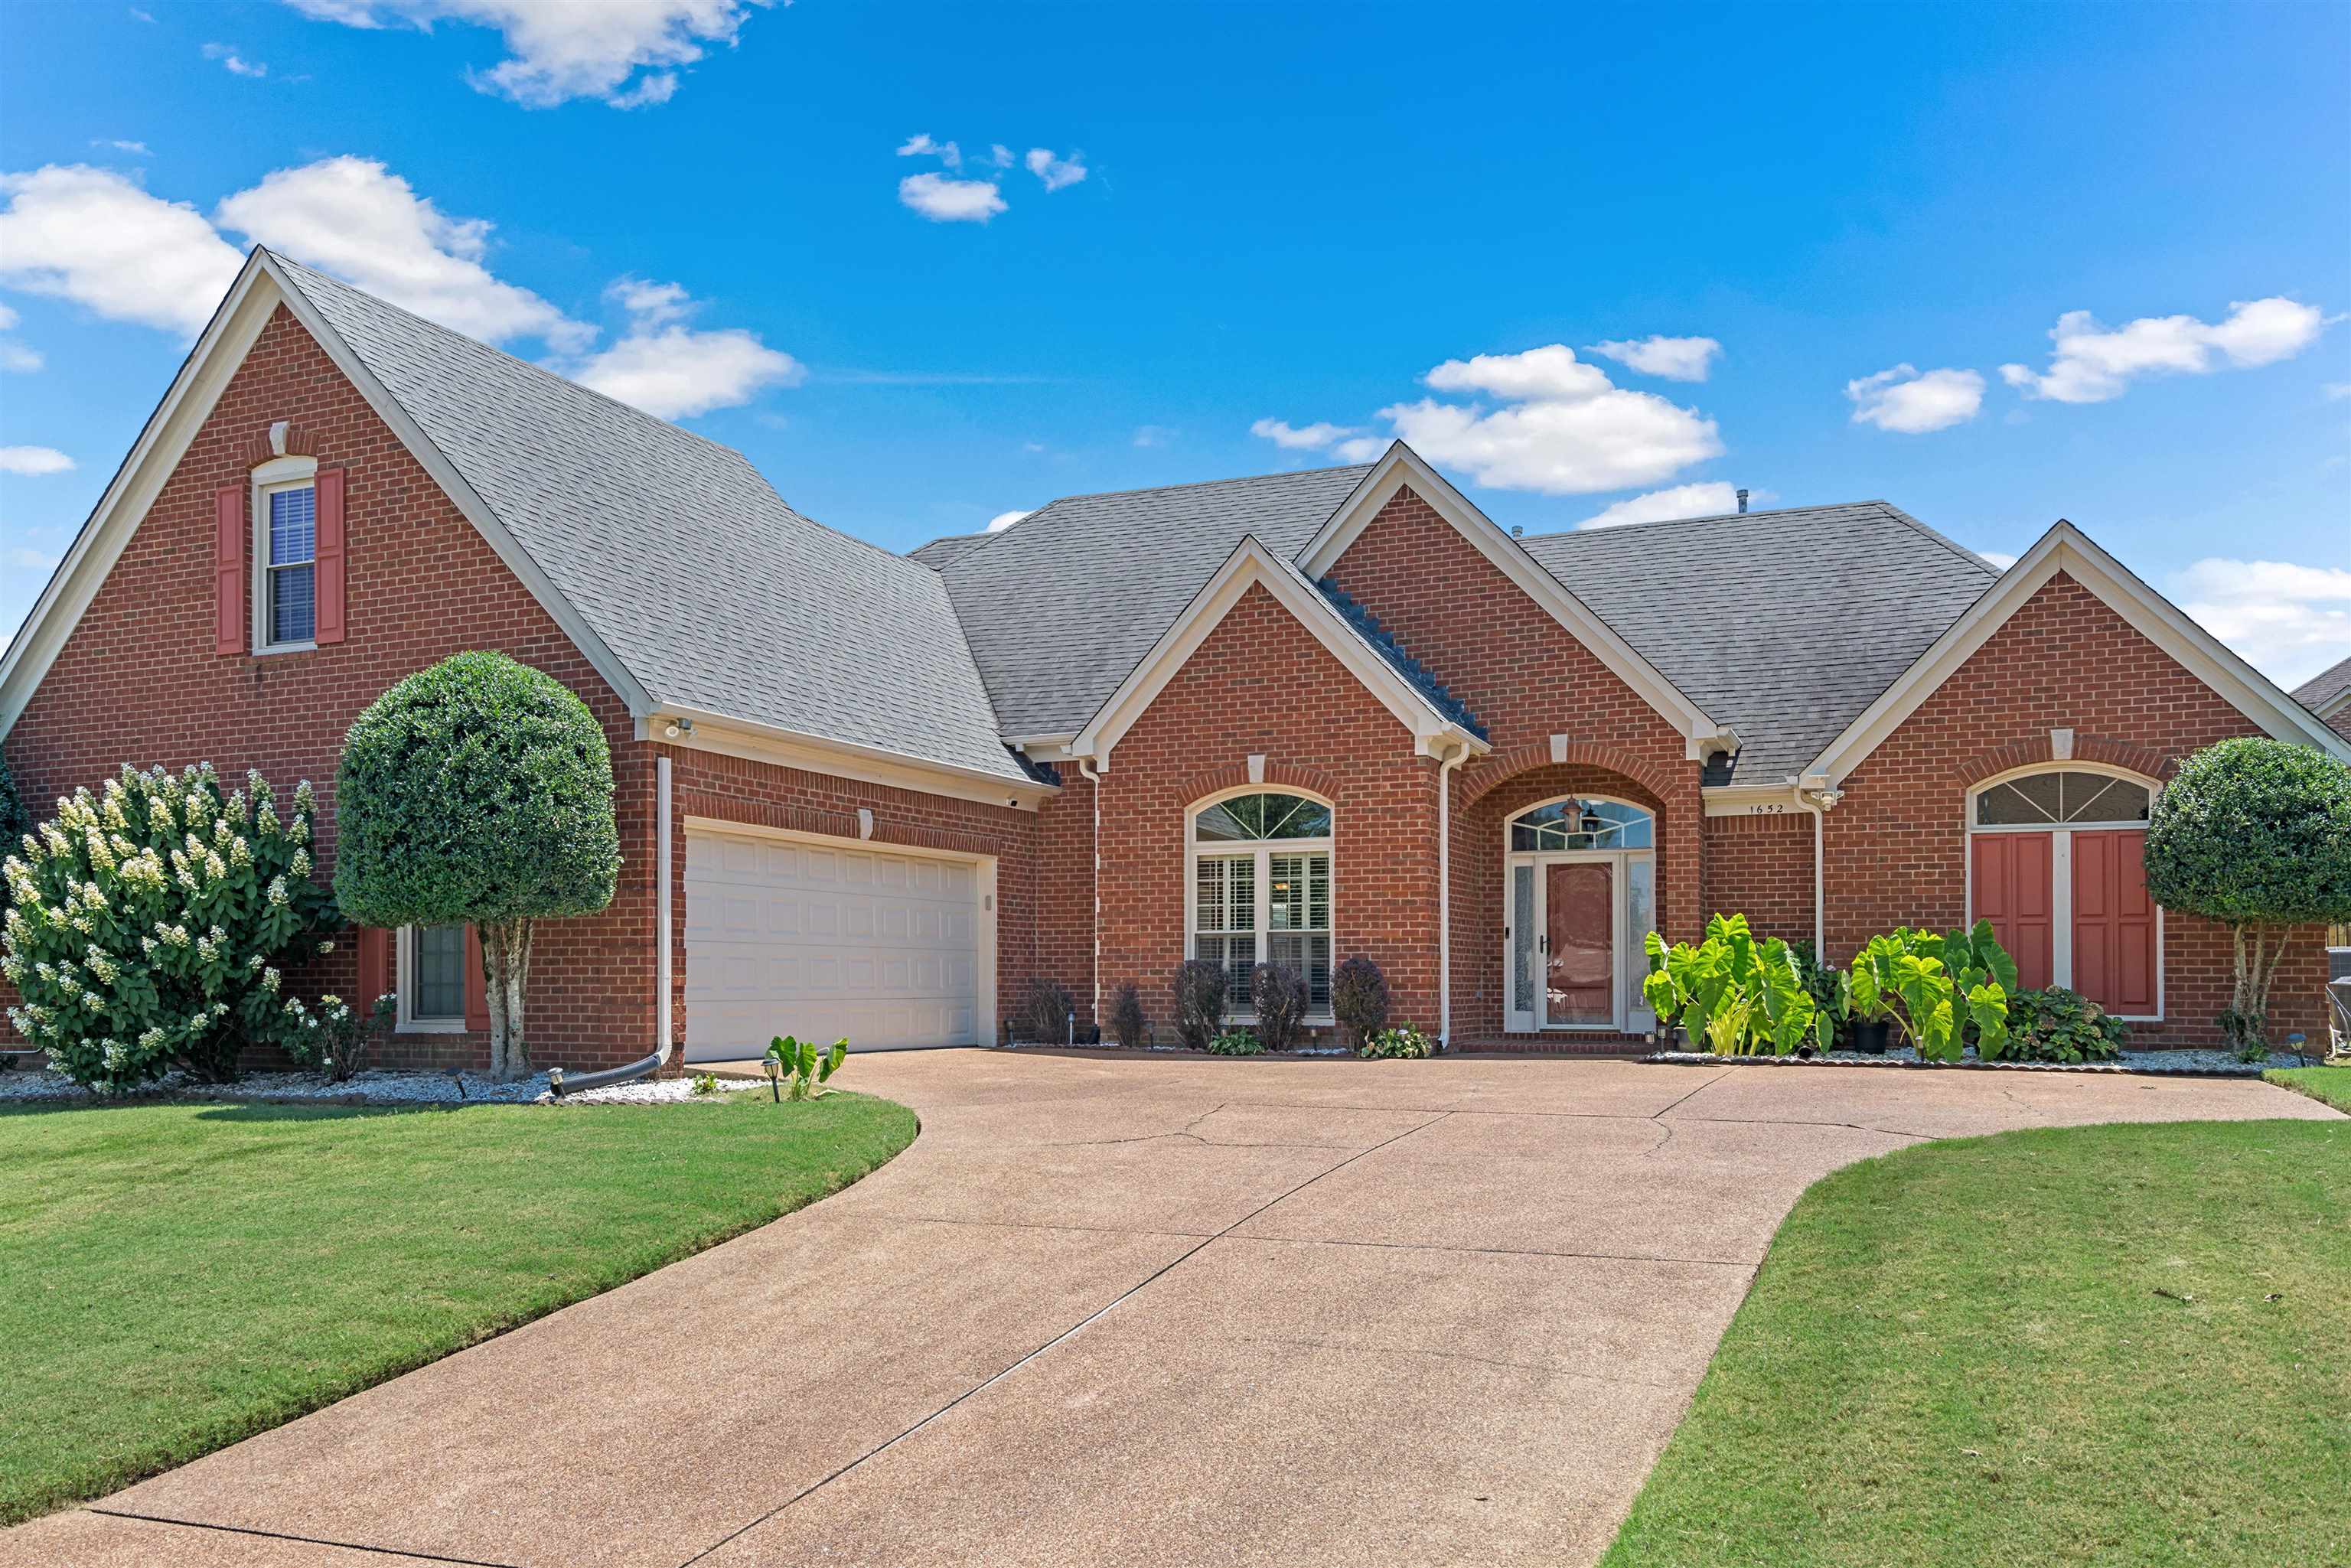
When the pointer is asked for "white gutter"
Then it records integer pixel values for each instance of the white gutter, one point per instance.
(1445, 894)
(1086, 771)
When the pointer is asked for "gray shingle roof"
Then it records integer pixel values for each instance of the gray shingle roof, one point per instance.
(1067, 601)
(950, 547)
(1784, 624)
(680, 558)
(2324, 686)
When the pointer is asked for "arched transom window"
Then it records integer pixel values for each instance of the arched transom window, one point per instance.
(2064, 796)
(2054, 863)
(1261, 887)
(1579, 824)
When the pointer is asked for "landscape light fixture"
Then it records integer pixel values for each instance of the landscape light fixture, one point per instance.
(775, 1078)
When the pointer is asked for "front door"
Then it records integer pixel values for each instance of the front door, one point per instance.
(1578, 945)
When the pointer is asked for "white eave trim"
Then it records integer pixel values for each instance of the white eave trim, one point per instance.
(1401, 467)
(729, 735)
(1251, 564)
(2066, 549)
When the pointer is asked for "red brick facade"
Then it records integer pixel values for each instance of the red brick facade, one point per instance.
(138, 681)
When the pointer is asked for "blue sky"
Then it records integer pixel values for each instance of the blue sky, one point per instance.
(1213, 229)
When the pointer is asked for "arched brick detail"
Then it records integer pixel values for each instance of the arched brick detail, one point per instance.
(255, 450)
(2144, 760)
(1278, 775)
(1506, 765)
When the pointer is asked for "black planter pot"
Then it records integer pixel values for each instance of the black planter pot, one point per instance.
(1871, 1038)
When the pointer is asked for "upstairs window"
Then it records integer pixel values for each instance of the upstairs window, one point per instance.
(286, 555)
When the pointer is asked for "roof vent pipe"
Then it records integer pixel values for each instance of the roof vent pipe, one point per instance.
(1742, 503)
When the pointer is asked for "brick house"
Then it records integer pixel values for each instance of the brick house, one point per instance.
(1303, 716)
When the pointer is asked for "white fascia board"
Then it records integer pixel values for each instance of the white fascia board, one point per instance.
(1750, 800)
(1401, 467)
(754, 742)
(452, 484)
(2066, 549)
(1250, 564)
(226, 339)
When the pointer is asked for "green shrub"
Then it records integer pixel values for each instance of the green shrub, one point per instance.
(2256, 834)
(1128, 1026)
(1236, 1042)
(2059, 1025)
(1278, 994)
(803, 1067)
(1199, 989)
(150, 927)
(337, 1038)
(1739, 998)
(478, 792)
(1401, 1041)
(1359, 1001)
(1044, 1015)
(1827, 987)
(1945, 991)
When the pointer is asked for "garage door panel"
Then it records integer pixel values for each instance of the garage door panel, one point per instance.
(804, 939)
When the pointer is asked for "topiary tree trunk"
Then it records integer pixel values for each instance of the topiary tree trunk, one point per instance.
(506, 971)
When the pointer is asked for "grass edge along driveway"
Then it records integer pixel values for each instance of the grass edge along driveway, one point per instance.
(2111, 1344)
(183, 1276)
(2327, 1086)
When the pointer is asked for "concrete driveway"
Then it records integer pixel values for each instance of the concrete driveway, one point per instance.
(1161, 1311)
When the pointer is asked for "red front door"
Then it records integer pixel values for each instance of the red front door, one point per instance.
(2013, 890)
(1578, 931)
(2115, 958)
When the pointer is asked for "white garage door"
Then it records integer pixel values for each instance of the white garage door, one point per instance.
(826, 941)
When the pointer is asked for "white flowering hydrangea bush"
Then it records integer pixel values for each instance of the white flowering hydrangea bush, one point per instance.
(149, 926)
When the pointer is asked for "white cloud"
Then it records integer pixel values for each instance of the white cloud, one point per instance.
(1712, 497)
(2289, 622)
(1913, 401)
(137, 147)
(355, 218)
(1564, 428)
(1675, 359)
(1360, 449)
(1153, 435)
(26, 558)
(1000, 155)
(562, 49)
(17, 357)
(1998, 558)
(2336, 390)
(238, 64)
(2094, 364)
(1056, 172)
(946, 152)
(945, 201)
(34, 460)
(673, 373)
(1301, 437)
(1003, 521)
(95, 237)
(1551, 374)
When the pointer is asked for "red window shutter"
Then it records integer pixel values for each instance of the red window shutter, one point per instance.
(375, 967)
(229, 633)
(2012, 890)
(2115, 959)
(330, 569)
(477, 987)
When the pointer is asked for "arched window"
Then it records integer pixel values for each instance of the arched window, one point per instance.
(2056, 863)
(1579, 824)
(1261, 885)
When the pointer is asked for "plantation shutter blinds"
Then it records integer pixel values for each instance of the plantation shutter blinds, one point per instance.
(228, 568)
(328, 557)
(478, 989)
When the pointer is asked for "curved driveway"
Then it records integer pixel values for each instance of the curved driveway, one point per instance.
(1163, 1311)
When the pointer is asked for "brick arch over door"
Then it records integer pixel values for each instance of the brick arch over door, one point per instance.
(1482, 777)
(1478, 853)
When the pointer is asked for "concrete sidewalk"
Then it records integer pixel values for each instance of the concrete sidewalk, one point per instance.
(1162, 1310)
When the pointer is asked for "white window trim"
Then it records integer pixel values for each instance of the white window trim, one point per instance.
(1628, 1013)
(2061, 868)
(404, 969)
(278, 473)
(1239, 1006)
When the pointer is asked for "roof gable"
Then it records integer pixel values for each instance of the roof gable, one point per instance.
(2065, 549)
(2327, 692)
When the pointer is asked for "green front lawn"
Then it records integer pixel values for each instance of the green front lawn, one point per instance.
(2329, 1085)
(173, 1278)
(2115, 1345)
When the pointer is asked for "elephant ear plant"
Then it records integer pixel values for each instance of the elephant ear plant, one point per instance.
(1741, 997)
(1941, 989)
(805, 1067)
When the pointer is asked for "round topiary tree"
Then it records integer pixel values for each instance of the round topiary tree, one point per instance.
(480, 791)
(2254, 834)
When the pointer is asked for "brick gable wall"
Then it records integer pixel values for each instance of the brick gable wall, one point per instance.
(1897, 845)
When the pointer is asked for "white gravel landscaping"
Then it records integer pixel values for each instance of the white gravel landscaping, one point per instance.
(2197, 1064)
(371, 1088)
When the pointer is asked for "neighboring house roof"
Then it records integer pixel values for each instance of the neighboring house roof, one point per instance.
(1063, 604)
(1782, 624)
(712, 592)
(951, 547)
(2328, 690)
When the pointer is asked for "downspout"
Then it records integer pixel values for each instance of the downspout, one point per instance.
(1093, 783)
(1445, 894)
(1818, 802)
(663, 863)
